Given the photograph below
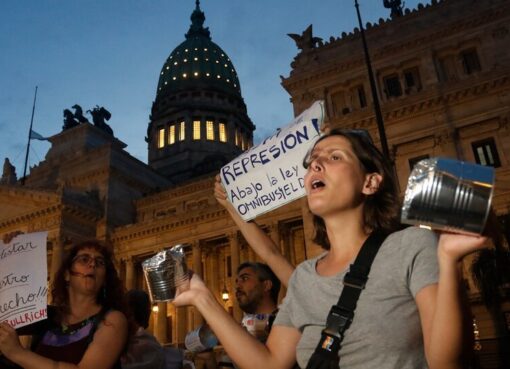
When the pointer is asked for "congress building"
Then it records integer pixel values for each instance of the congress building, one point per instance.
(442, 77)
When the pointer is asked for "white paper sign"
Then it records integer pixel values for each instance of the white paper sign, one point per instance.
(23, 275)
(270, 174)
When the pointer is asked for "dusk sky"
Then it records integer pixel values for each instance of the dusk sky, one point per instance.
(110, 53)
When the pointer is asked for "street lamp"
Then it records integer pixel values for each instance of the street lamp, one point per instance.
(373, 88)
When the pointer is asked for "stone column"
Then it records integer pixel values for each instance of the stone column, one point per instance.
(214, 270)
(56, 257)
(234, 263)
(197, 269)
(161, 324)
(130, 274)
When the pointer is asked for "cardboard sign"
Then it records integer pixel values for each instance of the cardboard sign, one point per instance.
(270, 174)
(23, 275)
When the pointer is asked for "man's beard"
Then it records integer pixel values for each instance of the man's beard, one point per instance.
(249, 307)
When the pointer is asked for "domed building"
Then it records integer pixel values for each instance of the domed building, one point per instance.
(199, 120)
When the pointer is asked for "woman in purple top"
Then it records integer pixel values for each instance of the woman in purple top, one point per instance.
(86, 328)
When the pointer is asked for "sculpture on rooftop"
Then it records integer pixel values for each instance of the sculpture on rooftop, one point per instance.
(8, 173)
(395, 6)
(99, 115)
(69, 121)
(78, 114)
(306, 41)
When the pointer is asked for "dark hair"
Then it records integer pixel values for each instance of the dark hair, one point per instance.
(381, 210)
(139, 304)
(264, 273)
(111, 296)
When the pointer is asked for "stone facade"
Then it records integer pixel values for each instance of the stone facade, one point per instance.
(443, 82)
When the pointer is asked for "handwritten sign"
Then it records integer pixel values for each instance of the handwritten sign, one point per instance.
(271, 174)
(23, 275)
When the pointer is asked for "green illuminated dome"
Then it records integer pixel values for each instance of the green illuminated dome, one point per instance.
(198, 62)
(198, 121)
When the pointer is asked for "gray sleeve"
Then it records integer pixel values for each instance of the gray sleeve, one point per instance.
(285, 309)
(420, 258)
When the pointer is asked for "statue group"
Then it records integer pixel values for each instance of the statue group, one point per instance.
(99, 115)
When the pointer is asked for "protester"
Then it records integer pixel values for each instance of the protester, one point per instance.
(256, 238)
(257, 289)
(409, 314)
(87, 327)
(143, 350)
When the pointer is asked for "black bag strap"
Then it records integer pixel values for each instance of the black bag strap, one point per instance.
(341, 315)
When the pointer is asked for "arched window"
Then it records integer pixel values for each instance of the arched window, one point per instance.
(223, 132)
(182, 132)
(161, 138)
(196, 130)
(209, 129)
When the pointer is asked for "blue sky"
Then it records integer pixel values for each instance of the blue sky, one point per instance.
(110, 53)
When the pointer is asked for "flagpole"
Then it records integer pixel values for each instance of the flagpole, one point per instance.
(28, 144)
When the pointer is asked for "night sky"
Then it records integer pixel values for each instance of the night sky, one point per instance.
(110, 53)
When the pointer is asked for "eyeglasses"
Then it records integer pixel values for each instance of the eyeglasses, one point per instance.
(85, 259)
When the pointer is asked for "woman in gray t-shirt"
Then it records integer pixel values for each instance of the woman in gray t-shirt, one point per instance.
(410, 313)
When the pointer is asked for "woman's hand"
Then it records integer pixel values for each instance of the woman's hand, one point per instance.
(190, 291)
(454, 247)
(220, 194)
(9, 341)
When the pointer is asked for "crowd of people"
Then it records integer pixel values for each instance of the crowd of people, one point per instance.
(409, 313)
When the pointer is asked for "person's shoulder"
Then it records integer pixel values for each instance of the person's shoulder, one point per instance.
(412, 233)
(411, 240)
(116, 318)
(309, 264)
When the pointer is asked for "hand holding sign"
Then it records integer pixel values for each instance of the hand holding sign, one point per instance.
(23, 275)
(271, 174)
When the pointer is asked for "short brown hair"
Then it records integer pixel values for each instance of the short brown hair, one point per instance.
(381, 210)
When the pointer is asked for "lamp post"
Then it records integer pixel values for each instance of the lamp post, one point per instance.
(373, 88)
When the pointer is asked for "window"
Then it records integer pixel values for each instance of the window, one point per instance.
(415, 160)
(229, 266)
(392, 86)
(196, 130)
(161, 138)
(237, 137)
(470, 61)
(182, 131)
(486, 153)
(339, 104)
(412, 80)
(171, 135)
(209, 129)
(362, 98)
(446, 69)
(243, 141)
(223, 132)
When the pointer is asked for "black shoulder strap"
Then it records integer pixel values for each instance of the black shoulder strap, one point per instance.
(340, 316)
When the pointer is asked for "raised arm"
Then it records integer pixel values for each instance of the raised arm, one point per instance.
(102, 353)
(258, 240)
(440, 305)
(244, 349)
